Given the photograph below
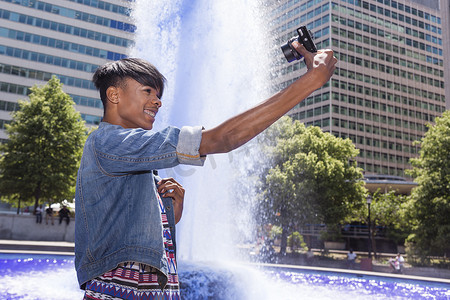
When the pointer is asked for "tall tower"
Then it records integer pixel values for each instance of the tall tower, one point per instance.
(445, 11)
(66, 38)
(389, 81)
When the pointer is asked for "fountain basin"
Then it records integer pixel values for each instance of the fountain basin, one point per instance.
(25, 276)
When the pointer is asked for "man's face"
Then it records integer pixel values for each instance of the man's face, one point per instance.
(138, 105)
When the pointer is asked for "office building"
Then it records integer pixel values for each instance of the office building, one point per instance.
(389, 82)
(445, 11)
(66, 38)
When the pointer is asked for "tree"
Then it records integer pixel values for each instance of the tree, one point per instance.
(295, 241)
(387, 210)
(46, 137)
(431, 198)
(313, 179)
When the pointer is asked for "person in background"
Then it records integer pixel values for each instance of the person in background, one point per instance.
(49, 214)
(351, 258)
(64, 213)
(39, 211)
(309, 256)
(397, 263)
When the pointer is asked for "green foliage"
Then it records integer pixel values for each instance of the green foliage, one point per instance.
(295, 241)
(313, 177)
(332, 235)
(431, 198)
(275, 232)
(386, 210)
(402, 222)
(46, 137)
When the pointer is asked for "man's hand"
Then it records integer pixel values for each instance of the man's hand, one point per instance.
(322, 63)
(169, 187)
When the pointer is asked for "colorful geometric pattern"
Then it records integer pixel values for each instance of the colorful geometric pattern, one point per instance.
(136, 281)
(168, 244)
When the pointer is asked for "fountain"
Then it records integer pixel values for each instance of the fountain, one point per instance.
(215, 57)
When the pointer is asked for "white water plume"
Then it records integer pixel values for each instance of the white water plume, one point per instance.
(215, 57)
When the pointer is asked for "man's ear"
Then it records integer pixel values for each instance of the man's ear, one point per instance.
(112, 94)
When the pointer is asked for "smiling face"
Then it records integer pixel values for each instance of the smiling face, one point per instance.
(132, 105)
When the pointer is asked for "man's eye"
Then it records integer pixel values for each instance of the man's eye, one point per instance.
(149, 91)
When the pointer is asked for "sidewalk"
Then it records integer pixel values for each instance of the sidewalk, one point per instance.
(340, 264)
(37, 247)
(357, 272)
(379, 269)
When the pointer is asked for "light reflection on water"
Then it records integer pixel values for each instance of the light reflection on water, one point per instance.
(35, 277)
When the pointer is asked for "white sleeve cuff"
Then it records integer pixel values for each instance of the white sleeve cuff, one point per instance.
(188, 146)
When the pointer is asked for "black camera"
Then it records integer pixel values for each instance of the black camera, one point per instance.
(305, 38)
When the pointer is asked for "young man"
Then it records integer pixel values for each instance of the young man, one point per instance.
(124, 230)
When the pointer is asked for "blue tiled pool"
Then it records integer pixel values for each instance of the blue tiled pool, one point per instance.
(53, 277)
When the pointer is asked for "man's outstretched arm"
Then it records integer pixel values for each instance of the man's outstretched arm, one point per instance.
(238, 130)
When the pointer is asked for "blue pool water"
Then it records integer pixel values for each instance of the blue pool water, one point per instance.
(53, 277)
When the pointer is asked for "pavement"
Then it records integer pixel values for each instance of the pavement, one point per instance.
(357, 272)
(377, 269)
(37, 247)
(67, 248)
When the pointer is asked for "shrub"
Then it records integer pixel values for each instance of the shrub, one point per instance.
(295, 242)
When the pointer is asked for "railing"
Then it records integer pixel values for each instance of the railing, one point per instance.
(346, 230)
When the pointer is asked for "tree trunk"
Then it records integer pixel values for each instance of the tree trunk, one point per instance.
(18, 207)
(37, 195)
(374, 245)
(284, 233)
(283, 246)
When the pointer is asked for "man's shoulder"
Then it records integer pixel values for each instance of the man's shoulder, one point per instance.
(115, 141)
(113, 129)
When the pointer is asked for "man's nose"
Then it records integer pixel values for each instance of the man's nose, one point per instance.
(157, 102)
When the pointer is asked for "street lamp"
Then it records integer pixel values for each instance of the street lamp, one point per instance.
(369, 201)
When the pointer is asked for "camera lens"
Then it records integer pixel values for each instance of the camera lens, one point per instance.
(289, 51)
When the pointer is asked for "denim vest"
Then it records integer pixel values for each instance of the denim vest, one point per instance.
(117, 212)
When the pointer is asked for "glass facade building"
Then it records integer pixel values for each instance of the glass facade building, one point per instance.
(65, 38)
(389, 82)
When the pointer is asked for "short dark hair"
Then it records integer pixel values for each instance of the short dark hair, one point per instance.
(115, 72)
